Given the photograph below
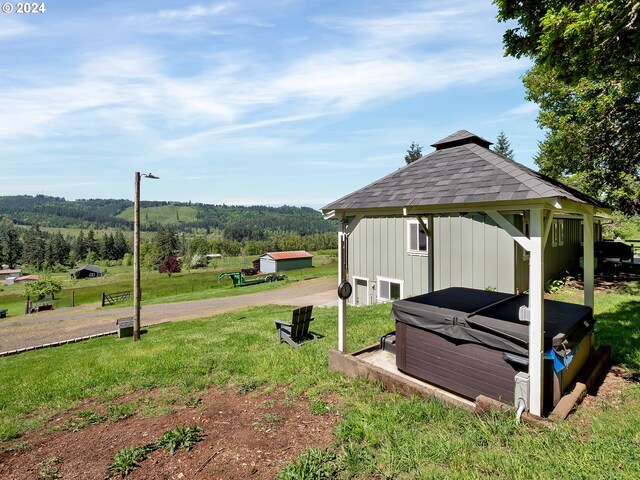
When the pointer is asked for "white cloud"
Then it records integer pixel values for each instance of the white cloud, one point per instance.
(192, 12)
(524, 109)
(9, 28)
(191, 104)
(453, 20)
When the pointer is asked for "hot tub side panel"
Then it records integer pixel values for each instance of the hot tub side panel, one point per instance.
(464, 368)
(469, 369)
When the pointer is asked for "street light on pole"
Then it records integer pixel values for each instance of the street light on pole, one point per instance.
(136, 254)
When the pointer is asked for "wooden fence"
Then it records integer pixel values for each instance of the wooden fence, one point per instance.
(112, 298)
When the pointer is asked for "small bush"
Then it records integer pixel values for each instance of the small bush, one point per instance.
(181, 437)
(554, 286)
(127, 459)
(313, 464)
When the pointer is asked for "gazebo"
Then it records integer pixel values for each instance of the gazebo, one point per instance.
(464, 176)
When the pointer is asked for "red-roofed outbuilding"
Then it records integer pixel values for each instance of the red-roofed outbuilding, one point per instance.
(272, 262)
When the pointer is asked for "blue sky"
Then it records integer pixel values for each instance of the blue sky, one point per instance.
(249, 102)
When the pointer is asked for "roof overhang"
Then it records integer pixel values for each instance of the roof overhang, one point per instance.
(561, 206)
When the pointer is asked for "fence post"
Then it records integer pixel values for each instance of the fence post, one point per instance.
(103, 299)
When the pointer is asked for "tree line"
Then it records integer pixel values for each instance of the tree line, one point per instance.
(239, 222)
(47, 251)
(42, 250)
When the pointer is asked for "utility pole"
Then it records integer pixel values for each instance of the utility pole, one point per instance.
(136, 254)
(136, 259)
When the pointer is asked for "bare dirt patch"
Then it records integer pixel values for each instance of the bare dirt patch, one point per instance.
(250, 435)
(608, 391)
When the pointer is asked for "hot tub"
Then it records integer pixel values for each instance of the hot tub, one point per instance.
(471, 342)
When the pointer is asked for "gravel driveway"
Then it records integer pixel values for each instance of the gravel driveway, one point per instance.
(68, 323)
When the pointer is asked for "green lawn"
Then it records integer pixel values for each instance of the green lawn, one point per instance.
(381, 434)
(195, 285)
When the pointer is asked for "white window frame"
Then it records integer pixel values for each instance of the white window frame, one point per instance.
(355, 289)
(557, 233)
(389, 280)
(411, 251)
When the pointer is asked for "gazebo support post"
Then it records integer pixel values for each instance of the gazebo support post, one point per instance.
(536, 310)
(588, 259)
(342, 275)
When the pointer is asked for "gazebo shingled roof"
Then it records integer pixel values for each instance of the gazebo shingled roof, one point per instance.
(462, 170)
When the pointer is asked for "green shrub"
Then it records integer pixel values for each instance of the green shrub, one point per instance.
(181, 437)
(127, 459)
(313, 464)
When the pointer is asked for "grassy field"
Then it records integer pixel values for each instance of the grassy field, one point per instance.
(381, 434)
(156, 287)
(165, 215)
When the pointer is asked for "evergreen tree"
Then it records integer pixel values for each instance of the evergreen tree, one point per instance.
(107, 247)
(57, 250)
(80, 247)
(166, 241)
(120, 244)
(93, 246)
(10, 244)
(413, 153)
(503, 146)
(34, 247)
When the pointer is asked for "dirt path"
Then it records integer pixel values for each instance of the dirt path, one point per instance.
(68, 323)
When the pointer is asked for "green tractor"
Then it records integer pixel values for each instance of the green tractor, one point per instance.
(239, 280)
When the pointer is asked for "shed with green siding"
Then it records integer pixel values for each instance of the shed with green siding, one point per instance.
(391, 256)
(281, 261)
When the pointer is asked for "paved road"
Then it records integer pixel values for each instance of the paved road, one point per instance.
(68, 323)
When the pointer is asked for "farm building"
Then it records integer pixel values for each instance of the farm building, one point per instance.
(10, 273)
(87, 271)
(27, 279)
(280, 261)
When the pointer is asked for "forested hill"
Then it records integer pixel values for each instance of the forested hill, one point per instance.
(238, 222)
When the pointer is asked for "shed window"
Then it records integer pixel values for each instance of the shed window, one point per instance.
(557, 232)
(389, 289)
(417, 238)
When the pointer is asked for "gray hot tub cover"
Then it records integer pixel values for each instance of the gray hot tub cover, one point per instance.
(491, 319)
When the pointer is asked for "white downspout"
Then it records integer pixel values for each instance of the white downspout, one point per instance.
(521, 408)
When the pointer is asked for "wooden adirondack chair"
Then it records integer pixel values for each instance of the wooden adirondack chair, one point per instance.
(298, 330)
